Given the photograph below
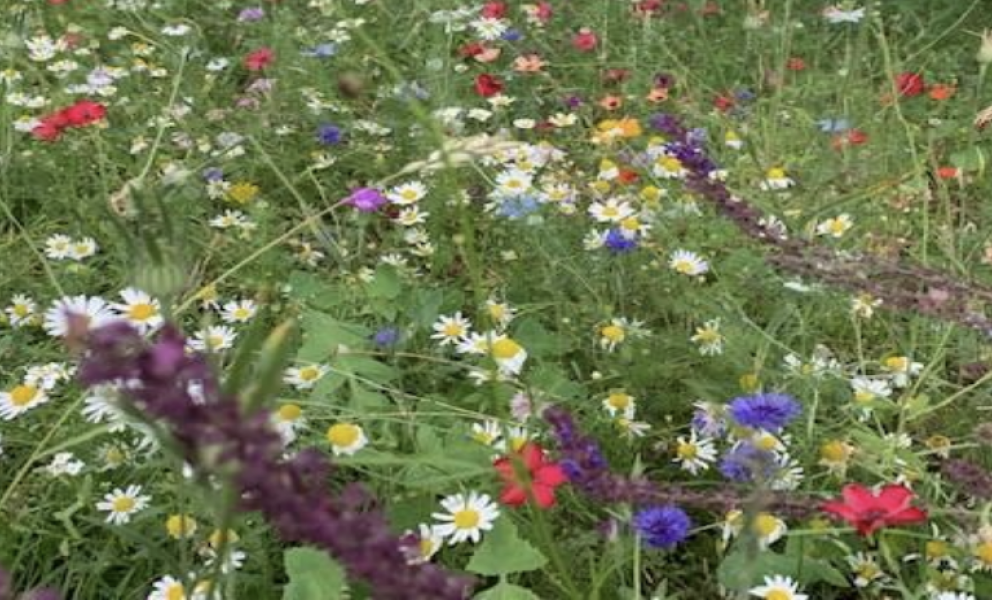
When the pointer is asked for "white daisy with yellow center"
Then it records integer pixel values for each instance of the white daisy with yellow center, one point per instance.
(668, 167)
(213, 339)
(766, 527)
(346, 438)
(466, 516)
(20, 399)
(500, 312)
(58, 246)
(407, 193)
(168, 588)
(612, 334)
(776, 179)
(82, 249)
(611, 211)
(180, 526)
(778, 587)
(305, 377)
(287, 420)
(122, 504)
(487, 432)
(139, 309)
(239, 311)
(835, 227)
(619, 402)
(708, 338)
(508, 354)
(688, 263)
(21, 311)
(449, 330)
(694, 454)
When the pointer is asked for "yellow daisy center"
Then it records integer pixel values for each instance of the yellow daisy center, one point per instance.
(467, 518)
(776, 173)
(23, 395)
(241, 313)
(897, 363)
(778, 595)
(290, 412)
(984, 552)
(343, 434)
(175, 591)
(834, 452)
(453, 330)
(687, 450)
(123, 504)
(610, 211)
(863, 396)
(613, 333)
(684, 266)
(766, 442)
(426, 546)
(21, 310)
(619, 401)
(936, 549)
(179, 526)
(309, 373)
(142, 311)
(765, 525)
(670, 164)
(506, 349)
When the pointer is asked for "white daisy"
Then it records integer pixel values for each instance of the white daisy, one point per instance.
(20, 399)
(140, 310)
(304, 378)
(708, 338)
(77, 314)
(836, 226)
(611, 211)
(58, 247)
(500, 312)
(287, 420)
(835, 15)
(508, 354)
(487, 432)
(688, 263)
(776, 179)
(213, 339)
(407, 193)
(64, 463)
(122, 504)
(429, 541)
(101, 405)
(82, 249)
(239, 311)
(21, 311)
(450, 330)
(466, 518)
(346, 438)
(694, 454)
(778, 587)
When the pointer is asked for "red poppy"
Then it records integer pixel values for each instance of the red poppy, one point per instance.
(853, 137)
(84, 112)
(795, 64)
(542, 478)
(910, 84)
(723, 103)
(948, 172)
(627, 176)
(487, 85)
(471, 49)
(585, 40)
(869, 512)
(493, 10)
(543, 12)
(258, 60)
(46, 131)
(647, 8)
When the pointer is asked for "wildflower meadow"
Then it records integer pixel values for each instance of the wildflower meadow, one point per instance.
(439, 300)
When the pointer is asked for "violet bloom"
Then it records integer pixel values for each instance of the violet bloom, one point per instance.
(329, 134)
(248, 15)
(366, 199)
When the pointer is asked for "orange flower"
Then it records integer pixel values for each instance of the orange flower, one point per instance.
(528, 63)
(611, 102)
(948, 172)
(658, 94)
(942, 91)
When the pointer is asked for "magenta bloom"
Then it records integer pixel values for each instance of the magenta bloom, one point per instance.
(366, 199)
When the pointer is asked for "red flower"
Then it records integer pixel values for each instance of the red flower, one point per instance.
(258, 60)
(542, 477)
(723, 103)
(487, 85)
(471, 49)
(647, 8)
(869, 512)
(910, 84)
(854, 137)
(494, 10)
(544, 12)
(84, 112)
(46, 131)
(795, 64)
(585, 40)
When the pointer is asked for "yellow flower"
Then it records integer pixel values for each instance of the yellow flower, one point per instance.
(242, 192)
(180, 526)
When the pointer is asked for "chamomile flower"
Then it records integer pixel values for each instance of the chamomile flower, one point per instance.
(407, 193)
(213, 339)
(122, 504)
(239, 311)
(836, 226)
(71, 312)
(102, 405)
(475, 343)
(612, 334)
(82, 249)
(139, 309)
(669, 167)
(180, 526)
(411, 216)
(766, 527)
(487, 432)
(688, 263)
(513, 183)
(864, 305)
(429, 541)
(346, 438)
(694, 454)
(708, 338)
(58, 246)
(776, 179)
(287, 420)
(619, 402)
(778, 587)
(466, 516)
(835, 456)
(450, 330)
(500, 312)
(901, 369)
(865, 569)
(64, 463)
(22, 311)
(20, 399)
(631, 428)
(611, 211)
(508, 354)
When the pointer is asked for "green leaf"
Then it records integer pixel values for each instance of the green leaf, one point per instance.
(313, 575)
(972, 159)
(322, 334)
(507, 591)
(385, 285)
(741, 571)
(503, 551)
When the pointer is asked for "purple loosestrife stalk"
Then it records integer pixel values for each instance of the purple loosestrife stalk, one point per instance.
(900, 286)
(217, 435)
(588, 471)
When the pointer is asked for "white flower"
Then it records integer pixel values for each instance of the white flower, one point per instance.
(835, 15)
(21, 311)
(450, 330)
(287, 420)
(836, 226)
(240, 311)
(407, 193)
(122, 504)
(620, 403)
(708, 338)
(865, 569)
(513, 183)
(101, 405)
(489, 29)
(612, 211)
(500, 312)
(58, 246)
(70, 312)
(20, 399)
(346, 438)
(64, 463)
(429, 541)
(82, 249)
(765, 526)
(487, 432)
(508, 354)
(694, 454)
(213, 339)
(466, 517)
(776, 179)
(140, 310)
(170, 588)
(688, 263)
(953, 596)
(901, 369)
(304, 378)
(48, 375)
(864, 305)
(778, 587)
(474, 343)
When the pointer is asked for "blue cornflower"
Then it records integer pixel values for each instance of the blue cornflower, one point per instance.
(329, 134)
(745, 463)
(518, 207)
(770, 412)
(708, 422)
(213, 174)
(386, 337)
(745, 95)
(512, 35)
(618, 243)
(322, 50)
(662, 527)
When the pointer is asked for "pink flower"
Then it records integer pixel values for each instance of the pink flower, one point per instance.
(585, 40)
(258, 60)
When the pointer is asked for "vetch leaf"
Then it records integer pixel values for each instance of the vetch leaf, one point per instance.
(313, 575)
